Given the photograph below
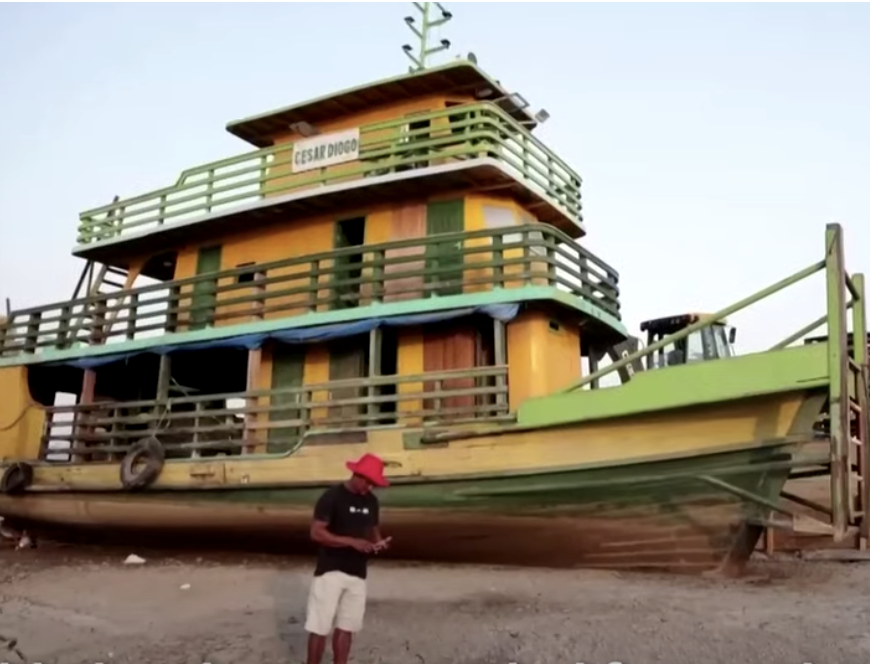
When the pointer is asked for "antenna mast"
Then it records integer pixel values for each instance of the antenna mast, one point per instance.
(427, 23)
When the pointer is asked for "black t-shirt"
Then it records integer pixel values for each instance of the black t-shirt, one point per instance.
(347, 514)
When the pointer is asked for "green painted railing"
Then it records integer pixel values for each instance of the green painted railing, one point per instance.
(460, 133)
(275, 420)
(433, 266)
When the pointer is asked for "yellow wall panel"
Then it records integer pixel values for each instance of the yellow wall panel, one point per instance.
(541, 359)
(410, 363)
(298, 238)
(21, 418)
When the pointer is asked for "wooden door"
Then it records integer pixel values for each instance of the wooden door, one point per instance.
(348, 360)
(446, 257)
(288, 370)
(346, 268)
(446, 347)
(204, 298)
(409, 221)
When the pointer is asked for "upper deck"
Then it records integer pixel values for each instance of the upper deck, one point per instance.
(455, 142)
(440, 273)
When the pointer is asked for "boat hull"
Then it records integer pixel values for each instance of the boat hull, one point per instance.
(662, 515)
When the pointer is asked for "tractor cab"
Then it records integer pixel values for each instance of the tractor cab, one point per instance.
(710, 343)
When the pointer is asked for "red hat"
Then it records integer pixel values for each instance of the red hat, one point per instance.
(370, 467)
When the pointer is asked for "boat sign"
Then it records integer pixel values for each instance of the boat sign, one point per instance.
(326, 150)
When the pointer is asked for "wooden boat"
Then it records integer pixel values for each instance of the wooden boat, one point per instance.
(399, 269)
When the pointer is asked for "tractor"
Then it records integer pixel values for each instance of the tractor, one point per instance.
(710, 343)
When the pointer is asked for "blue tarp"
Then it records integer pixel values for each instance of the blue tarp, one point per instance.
(301, 335)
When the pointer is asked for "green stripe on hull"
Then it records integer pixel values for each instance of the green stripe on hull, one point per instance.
(757, 470)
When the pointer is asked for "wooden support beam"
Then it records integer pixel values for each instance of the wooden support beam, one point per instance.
(255, 361)
(82, 419)
(838, 372)
(500, 360)
(376, 344)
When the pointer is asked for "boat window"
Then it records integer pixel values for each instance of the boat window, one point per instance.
(57, 445)
(389, 366)
(720, 340)
(458, 121)
(411, 134)
(695, 347)
(497, 216)
(246, 277)
(536, 236)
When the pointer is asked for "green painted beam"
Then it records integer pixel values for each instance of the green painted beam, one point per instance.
(757, 374)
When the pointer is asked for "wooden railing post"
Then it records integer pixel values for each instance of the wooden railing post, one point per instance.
(498, 261)
(63, 327)
(314, 282)
(379, 287)
(259, 303)
(98, 322)
(197, 415)
(209, 189)
(132, 313)
(173, 304)
(31, 341)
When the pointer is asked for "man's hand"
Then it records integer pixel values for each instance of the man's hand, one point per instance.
(382, 545)
(363, 546)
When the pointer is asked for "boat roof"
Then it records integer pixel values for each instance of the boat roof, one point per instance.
(677, 320)
(459, 76)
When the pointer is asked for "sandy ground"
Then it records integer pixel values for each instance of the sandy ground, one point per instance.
(65, 605)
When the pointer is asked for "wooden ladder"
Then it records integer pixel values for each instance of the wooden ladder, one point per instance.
(106, 293)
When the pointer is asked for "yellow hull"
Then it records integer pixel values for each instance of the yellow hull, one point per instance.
(680, 433)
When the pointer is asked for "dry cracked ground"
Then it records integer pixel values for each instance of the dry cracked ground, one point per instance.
(74, 605)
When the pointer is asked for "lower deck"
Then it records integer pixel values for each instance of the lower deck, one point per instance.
(326, 385)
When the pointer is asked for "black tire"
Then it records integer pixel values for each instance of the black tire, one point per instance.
(148, 450)
(16, 478)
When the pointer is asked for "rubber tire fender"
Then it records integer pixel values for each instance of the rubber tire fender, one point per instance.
(151, 452)
(16, 478)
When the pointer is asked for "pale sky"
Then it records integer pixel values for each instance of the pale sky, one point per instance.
(715, 141)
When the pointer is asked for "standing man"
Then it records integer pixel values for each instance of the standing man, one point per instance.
(346, 526)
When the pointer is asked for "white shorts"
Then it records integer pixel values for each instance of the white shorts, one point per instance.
(336, 597)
